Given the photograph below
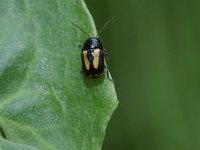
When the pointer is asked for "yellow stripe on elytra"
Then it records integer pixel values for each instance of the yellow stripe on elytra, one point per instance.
(86, 61)
(96, 58)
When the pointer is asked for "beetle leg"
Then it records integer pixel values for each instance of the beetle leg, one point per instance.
(108, 74)
(82, 70)
(79, 45)
(106, 54)
(105, 51)
(107, 59)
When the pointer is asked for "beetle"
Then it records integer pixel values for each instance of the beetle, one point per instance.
(93, 56)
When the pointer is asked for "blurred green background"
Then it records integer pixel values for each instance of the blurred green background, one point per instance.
(154, 51)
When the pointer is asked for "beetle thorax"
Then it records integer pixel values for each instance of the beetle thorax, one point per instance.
(92, 43)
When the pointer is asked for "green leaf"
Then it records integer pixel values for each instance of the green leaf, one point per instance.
(7, 145)
(45, 102)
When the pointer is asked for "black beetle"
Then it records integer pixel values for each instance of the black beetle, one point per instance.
(93, 56)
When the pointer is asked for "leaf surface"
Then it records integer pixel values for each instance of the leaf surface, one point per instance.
(45, 102)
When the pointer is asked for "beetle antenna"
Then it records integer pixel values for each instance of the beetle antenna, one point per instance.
(105, 25)
(80, 28)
